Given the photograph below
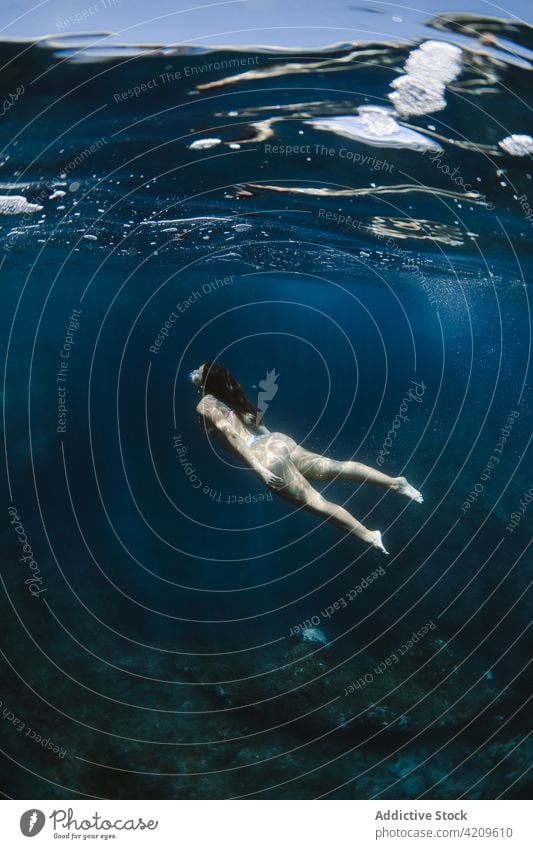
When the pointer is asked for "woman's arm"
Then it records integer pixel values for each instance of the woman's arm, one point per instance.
(218, 420)
(239, 446)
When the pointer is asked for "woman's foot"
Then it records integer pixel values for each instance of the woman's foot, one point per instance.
(376, 541)
(405, 488)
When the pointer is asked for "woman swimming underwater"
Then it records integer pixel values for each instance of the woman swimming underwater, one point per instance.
(282, 465)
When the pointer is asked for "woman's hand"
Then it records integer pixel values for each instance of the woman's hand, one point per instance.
(269, 478)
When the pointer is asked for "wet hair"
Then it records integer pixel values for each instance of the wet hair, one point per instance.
(217, 380)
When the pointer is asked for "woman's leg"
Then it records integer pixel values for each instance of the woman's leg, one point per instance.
(299, 491)
(318, 468)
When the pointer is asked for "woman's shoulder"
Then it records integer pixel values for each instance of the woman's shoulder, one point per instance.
(208, 405)
(205, 403)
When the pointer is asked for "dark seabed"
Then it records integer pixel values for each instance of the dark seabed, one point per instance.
(169, 629)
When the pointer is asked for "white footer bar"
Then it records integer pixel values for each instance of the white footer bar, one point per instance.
(267, 824)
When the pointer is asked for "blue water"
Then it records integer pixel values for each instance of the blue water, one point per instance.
(154, 647)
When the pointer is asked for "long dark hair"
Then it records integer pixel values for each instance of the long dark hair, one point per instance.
(217, 380)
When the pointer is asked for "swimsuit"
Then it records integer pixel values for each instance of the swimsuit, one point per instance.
(254, 437)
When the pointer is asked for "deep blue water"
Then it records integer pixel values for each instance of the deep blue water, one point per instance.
(156, 651)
